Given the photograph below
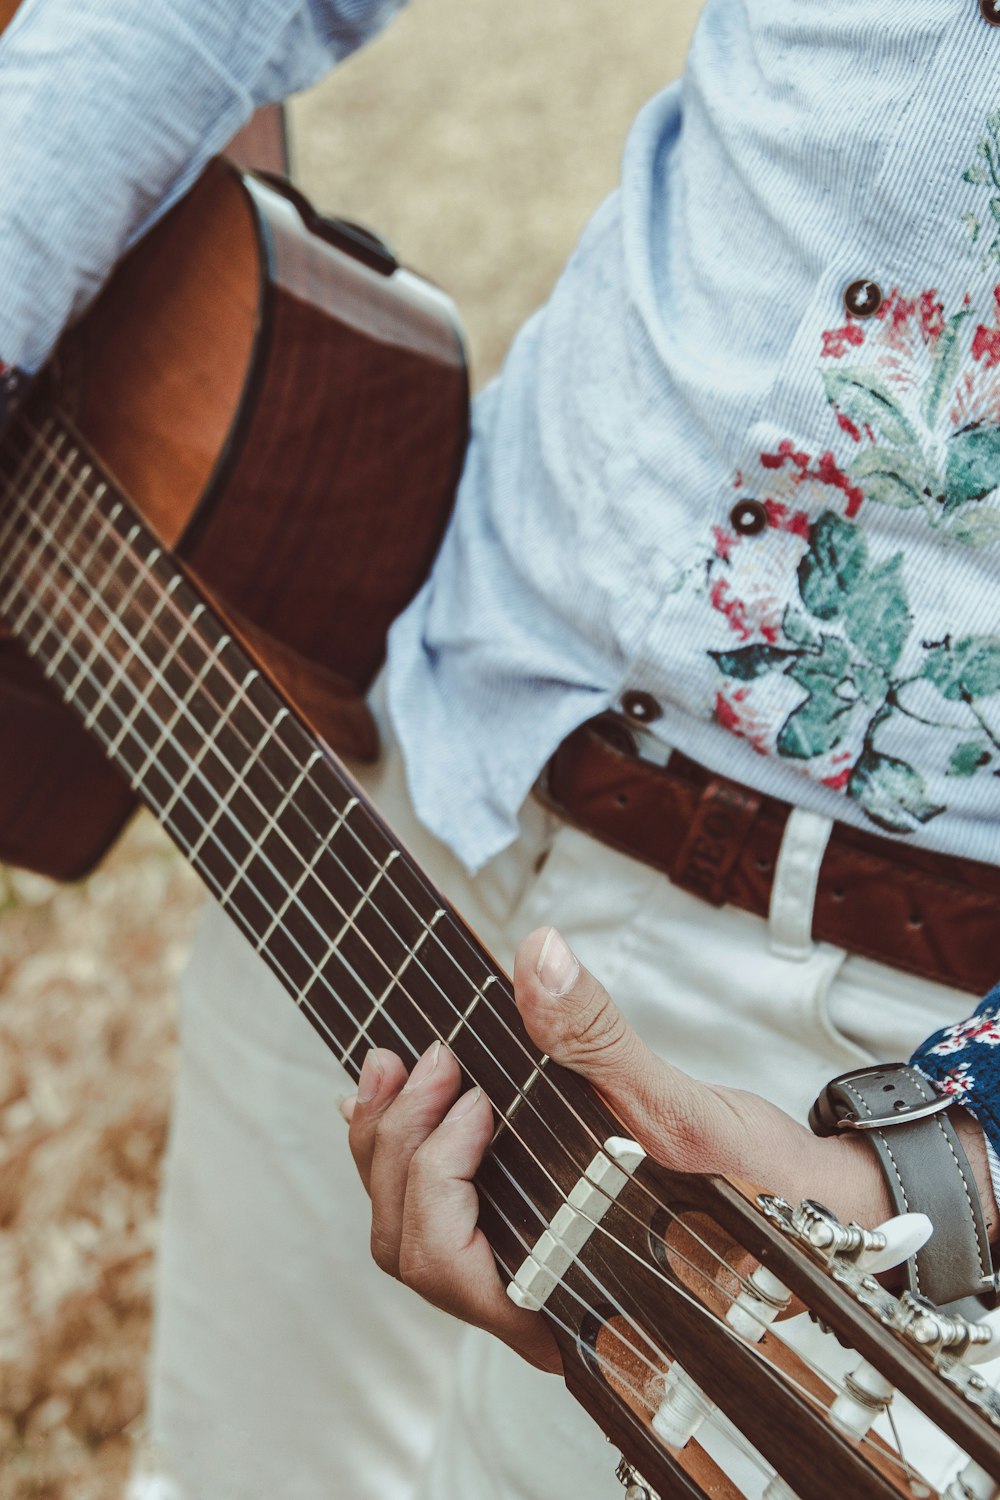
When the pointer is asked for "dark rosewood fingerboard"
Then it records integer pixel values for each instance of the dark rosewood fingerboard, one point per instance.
(280, 834)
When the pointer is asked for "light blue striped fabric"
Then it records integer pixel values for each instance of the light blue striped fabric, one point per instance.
(695, 353)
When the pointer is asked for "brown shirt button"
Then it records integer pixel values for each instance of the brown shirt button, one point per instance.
(864, 298)
(640, 706)
(991, 11)
(748, 517)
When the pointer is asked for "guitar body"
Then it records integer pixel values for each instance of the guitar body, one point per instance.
(288, 411)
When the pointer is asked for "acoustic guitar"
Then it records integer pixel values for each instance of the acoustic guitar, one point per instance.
(187, 508)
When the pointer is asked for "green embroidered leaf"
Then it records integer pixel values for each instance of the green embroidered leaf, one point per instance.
(798, 627)
(891, 792)
(993, 121)
(871, 682)
(973, 466)
(969, 758)
(826, 667)
(945, 367)
(976, 528)
(816, 726)
(976, 175)
(860, 395)
(967, 669)
(813, 728)
(879, 620)
(751, 661)
(889, 476)
(832, 567)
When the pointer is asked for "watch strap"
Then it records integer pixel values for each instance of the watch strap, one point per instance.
(925, 1168)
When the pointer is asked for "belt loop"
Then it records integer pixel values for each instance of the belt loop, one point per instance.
(796, 876)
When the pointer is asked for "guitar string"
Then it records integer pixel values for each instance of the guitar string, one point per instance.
(537, 1211)
(519, 1091)
(479, 990)
(556, 1185)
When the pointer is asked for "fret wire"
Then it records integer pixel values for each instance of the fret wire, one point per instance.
(185, 700)
(19, 511)
(120, 670)
(21, 501)
(37, 644)
(17, 624)
(452, 959)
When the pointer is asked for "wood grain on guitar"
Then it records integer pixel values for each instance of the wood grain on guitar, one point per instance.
(666, 1304)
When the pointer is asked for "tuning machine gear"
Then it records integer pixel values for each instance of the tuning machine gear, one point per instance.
(635, 1486)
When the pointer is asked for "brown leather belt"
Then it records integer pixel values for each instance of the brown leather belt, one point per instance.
(931, 914)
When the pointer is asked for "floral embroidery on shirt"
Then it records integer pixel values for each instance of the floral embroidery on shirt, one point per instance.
(921, 402)
(828, 666)
(963, 1061)
(985, 173)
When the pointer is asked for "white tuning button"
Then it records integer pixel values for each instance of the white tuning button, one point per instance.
(987, 1335)
(972, 1484)
(685, 1406)
(904, 1236)
(866, 1393)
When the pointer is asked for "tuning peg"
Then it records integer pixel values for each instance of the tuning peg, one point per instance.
(870, 1250)
(902, 1237)
(938, 1334)
(987, 1344)
(685, 1406)
(635, 1486)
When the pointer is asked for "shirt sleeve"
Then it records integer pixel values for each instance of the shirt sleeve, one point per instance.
(109, 109)
(963, 1061)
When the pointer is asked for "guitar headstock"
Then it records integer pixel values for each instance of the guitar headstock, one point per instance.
(731, 1344)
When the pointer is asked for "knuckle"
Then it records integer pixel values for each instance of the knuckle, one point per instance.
(604, 1028)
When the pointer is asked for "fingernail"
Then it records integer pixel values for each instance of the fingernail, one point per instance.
(371, 1078)
(347, 1106)
(557, 966)
(463, 1107)
(424, 1068)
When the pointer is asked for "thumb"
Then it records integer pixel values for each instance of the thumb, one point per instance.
(571, 1016)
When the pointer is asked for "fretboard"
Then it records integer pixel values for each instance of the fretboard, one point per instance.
(277, 829)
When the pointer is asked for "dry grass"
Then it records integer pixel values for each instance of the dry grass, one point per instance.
(478, 137)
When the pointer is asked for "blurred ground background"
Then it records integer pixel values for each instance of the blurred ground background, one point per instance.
(477, 137)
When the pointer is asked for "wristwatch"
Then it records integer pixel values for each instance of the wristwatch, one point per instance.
(905, 1121)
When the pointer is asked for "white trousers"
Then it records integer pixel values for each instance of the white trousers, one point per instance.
(285, 1366)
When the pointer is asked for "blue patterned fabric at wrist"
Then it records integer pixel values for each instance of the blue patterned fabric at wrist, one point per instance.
(13, 384)
(964, 1061)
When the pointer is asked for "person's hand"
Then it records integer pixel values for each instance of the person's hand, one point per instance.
(417, 1149)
